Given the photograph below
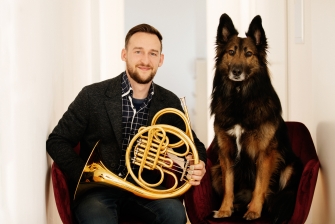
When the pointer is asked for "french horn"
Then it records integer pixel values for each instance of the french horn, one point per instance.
(149, 149)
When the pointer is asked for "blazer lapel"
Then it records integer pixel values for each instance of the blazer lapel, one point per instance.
(155, 105)
(113, 106)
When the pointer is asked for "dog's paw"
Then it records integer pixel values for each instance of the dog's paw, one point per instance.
(222, 214)
(250, 215)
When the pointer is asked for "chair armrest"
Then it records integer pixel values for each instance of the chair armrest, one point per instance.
(198, 199)
(305, 191)
(61, 193)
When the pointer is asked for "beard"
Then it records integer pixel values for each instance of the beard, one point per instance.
(137, 78)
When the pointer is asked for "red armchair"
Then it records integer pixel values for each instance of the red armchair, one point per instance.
(62, 197)
(200, 201)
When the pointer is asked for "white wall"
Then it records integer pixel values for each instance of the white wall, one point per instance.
(300, 85)
(311, 94)
(300, 76)
(311, 90)
(323, 67)
(48, 52)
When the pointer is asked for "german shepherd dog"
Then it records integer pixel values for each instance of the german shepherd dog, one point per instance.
(256, 169)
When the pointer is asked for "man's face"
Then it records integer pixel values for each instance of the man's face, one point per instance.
(143, 57)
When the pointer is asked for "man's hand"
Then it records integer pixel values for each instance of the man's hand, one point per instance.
(195, 172)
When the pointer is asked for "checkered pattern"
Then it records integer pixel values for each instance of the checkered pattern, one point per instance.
(132, 119)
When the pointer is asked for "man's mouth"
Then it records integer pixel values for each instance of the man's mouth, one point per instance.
(144, 68)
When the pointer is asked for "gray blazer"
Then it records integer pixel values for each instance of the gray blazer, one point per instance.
(96, 114)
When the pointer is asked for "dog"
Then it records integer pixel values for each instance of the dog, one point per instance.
(256, 169)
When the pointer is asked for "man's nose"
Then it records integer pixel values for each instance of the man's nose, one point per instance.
(145, 58)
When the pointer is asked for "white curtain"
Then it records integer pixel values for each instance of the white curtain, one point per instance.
(48, 51)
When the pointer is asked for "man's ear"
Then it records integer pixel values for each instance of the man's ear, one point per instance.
(124, 54)
(161, 60)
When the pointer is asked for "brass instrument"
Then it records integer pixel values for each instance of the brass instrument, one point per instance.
(149, 149)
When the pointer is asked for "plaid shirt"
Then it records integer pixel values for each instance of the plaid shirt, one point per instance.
(132, 119)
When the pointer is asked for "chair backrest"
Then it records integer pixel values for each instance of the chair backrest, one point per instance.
(301, 141)
(303, 146)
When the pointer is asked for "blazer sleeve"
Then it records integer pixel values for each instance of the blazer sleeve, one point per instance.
(66, 135)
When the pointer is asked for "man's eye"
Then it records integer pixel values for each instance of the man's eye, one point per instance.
(231, 52)
(153, 54)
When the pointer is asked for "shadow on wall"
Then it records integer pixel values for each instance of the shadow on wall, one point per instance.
(48, 185)
(325, 143)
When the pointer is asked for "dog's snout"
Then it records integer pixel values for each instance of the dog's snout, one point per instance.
(237, 73)
(237, 70)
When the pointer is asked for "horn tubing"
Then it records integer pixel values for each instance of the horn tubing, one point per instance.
(187, 141)
(151, 153)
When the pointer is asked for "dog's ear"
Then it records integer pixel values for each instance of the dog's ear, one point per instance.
(225, 30)
(256, 32)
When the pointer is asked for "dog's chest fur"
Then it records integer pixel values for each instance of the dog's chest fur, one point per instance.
(236, 132)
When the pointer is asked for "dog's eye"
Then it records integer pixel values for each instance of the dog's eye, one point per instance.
(248, 54)
(231, 52)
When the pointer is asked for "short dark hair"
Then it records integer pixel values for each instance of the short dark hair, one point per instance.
(145, 28)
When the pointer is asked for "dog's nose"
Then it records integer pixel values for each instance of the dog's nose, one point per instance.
(237, 70)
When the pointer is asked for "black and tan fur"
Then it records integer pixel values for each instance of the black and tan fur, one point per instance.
(257, 169)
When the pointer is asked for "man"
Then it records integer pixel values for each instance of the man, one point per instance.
(112, 111)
